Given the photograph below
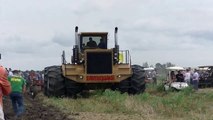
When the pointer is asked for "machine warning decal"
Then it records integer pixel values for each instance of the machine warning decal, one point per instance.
(100, 78)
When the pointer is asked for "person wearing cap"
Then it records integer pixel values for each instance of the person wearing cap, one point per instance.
(5, 88)
(18, 84)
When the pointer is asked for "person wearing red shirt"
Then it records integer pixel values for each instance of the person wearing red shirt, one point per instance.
(5, 88)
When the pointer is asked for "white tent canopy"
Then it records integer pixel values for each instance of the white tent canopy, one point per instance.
(149, 68)
(175, 68)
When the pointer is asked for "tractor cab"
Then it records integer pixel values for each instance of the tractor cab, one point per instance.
(90, 40)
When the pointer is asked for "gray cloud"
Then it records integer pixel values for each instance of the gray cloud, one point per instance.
(63, 40)
(204, 35)
(18, 45)
(34, 33)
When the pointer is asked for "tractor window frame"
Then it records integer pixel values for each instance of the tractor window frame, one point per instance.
(96, 38)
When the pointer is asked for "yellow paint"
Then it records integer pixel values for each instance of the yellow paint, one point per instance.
(16, 79)
(121, 58)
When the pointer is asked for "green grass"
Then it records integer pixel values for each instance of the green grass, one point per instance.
(186, 104)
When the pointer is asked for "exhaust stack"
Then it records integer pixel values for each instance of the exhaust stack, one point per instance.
(75, 58)
(76, 35)
(116, 49)
(116, 36)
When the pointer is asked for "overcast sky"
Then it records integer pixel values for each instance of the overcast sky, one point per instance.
(33, 33)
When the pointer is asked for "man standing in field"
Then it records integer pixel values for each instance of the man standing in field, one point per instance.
(195, 79)
(154, 77)
(5, 89)
(187, 76)
(10, 73)
(18, 84)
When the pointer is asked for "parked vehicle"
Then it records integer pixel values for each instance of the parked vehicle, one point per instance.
(172, 84)
(206, 76)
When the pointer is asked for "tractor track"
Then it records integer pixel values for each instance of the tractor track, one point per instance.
(34, 110)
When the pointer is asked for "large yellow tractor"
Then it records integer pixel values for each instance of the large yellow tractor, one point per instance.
(94, 66)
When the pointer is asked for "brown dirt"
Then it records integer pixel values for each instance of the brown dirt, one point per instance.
(34, 110)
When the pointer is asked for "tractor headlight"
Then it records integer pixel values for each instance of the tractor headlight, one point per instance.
(119, 76)
(80, 76)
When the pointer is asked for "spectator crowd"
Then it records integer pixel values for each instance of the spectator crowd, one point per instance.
(16, 83)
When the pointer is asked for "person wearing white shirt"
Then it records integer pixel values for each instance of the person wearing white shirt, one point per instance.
(187, 76)
(195, 80)
(10, 73)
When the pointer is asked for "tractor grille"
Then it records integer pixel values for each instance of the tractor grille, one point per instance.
(99, 63)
